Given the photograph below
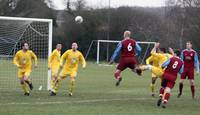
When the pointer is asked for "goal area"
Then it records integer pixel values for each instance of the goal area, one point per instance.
(38, 34)
(100, 51)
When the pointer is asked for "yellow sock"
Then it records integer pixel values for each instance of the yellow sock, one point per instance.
(152, 88)
(72, 85)
(25, 88)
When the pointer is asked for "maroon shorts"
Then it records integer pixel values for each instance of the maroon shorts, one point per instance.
(188, 73)
(127, 62)
(167, 83)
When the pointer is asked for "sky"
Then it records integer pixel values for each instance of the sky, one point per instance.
(115, 3)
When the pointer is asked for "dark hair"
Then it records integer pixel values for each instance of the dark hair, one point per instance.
(177, 52)
(163, 50)
(22, 44)
(189, 42)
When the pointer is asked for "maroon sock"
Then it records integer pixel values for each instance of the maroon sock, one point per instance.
(117, 75)
(193, 90)
(180, 88)
(161, 91)
(166, 98)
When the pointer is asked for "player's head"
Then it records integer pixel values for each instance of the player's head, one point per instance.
(25, 46)
(189, 45)
(127, 34)
(59, 47)
(74, 46)
(162, 50)
(177, 53)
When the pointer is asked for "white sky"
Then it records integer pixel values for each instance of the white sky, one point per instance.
(116, 3)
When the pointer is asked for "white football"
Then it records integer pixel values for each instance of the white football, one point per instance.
(79, 19)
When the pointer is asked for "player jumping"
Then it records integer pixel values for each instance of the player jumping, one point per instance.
(129, 49)
(71, 58)
(54, 65)
(172, 66)
(190, 58)
(23, 60)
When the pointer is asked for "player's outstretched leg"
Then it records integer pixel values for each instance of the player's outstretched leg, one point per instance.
(118, 77)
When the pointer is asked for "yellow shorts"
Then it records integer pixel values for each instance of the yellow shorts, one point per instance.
(22, 73)
(54, 71)
(157, 71)
(65, 73)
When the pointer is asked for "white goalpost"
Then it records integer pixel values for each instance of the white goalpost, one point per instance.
(38, 34)
(145, 48)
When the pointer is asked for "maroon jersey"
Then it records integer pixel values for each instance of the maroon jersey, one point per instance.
(128, 48)
(173, 68)
(188, 58)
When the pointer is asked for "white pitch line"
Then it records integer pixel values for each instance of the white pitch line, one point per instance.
(81, 101)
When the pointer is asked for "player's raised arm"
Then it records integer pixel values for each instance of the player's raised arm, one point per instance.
(116, 52)
(82, 60)
(16, 60)
(155, 47)
(34, 57)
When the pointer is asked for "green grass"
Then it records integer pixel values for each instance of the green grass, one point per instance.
(95, 94)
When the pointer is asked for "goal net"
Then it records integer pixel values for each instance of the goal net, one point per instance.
(13, 32)
(105, 48)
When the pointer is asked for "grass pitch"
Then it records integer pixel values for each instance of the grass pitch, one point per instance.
(96, 94)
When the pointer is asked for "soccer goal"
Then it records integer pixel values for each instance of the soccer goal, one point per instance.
(105, 48)
(38, 34)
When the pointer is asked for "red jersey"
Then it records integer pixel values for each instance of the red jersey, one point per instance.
(173, 68)
(128, 48)
(188, 58)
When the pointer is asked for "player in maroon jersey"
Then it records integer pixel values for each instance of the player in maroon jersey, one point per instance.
(172, 66)
(190, 58)
(129, 49)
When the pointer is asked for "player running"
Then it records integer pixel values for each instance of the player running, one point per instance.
(172, 66)
(23, 60)
(190, 58)
(54, 65)
(129, 49)
(69, 64)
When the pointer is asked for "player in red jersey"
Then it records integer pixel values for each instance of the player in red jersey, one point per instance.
(129, 49)
(190, 58)
(172, 66)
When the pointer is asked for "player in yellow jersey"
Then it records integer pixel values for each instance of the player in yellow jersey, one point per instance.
(69, 64)
(23, 60)
(154, 62)
(54, 65)
(159, 58)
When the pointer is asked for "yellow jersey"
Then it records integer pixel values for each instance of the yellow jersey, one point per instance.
(54, 59)
(23, 59)
(72, 59)
(153, 60)
(161, 58)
